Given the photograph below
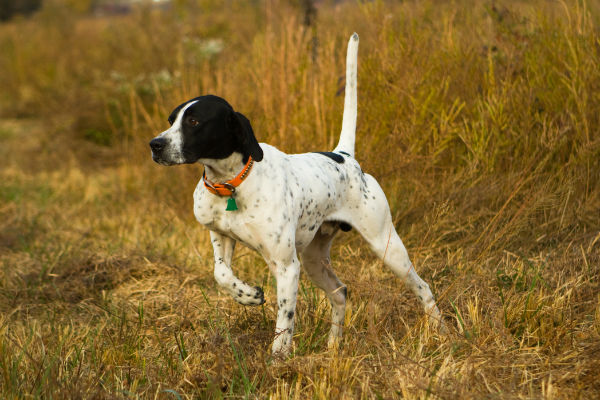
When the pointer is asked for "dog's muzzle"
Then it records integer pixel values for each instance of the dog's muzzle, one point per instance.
(157, 145)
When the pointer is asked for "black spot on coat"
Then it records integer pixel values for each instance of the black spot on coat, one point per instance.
(334, 156)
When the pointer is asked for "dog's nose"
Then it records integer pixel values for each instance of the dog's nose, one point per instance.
(157, 144)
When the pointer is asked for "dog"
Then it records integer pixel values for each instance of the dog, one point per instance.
(286, 207)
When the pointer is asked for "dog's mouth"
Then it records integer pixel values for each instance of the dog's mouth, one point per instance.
(159, 160)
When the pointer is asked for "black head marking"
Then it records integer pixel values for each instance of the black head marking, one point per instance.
(210, 128)
(249, 144)
(174, 113)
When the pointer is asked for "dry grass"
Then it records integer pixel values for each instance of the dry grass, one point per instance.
(480, 121)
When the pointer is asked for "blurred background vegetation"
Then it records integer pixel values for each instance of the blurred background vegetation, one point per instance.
(459, 94)
(478, 117)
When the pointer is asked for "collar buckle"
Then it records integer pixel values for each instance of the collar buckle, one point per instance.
(229, 186)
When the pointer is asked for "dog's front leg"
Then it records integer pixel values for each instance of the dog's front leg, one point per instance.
(287, 274)
(241, 292)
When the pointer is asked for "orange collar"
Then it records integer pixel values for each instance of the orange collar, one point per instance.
(228, 188)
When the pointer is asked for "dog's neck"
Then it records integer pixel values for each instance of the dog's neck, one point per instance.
(224, 169)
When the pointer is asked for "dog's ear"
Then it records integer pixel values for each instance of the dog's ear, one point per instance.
(246, 136)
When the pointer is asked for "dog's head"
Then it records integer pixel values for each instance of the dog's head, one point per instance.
(206, 127)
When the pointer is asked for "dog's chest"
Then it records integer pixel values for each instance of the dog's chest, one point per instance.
(211, 210)
(241, 224)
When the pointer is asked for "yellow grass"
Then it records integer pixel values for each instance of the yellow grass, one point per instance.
(479, 120)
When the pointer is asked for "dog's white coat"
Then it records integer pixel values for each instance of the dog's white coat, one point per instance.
(290, 207)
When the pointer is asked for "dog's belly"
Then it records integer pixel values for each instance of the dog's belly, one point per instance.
(314, 209)
(304, 237)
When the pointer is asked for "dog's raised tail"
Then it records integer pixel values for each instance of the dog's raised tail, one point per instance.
(348, 135)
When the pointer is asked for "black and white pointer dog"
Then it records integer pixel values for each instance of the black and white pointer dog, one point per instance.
(287, 207)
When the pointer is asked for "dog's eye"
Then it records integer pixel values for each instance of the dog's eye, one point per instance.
(193, 122)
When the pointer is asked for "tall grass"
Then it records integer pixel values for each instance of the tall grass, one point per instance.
(479, 120)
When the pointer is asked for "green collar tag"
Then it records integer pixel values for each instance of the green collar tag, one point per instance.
(231, 204)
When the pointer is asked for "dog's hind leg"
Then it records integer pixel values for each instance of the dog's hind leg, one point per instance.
(374, 222)
(317, 265)
(243, 293)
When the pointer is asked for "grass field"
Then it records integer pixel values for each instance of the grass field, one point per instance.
(480, 121)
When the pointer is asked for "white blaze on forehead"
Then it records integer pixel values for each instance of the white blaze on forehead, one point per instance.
(177, 123)
(174, 136)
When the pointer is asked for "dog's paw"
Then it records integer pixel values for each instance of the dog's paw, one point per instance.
(333, 342)
(252, 296)
(259, 295)
(442, 328)
(438, 324)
